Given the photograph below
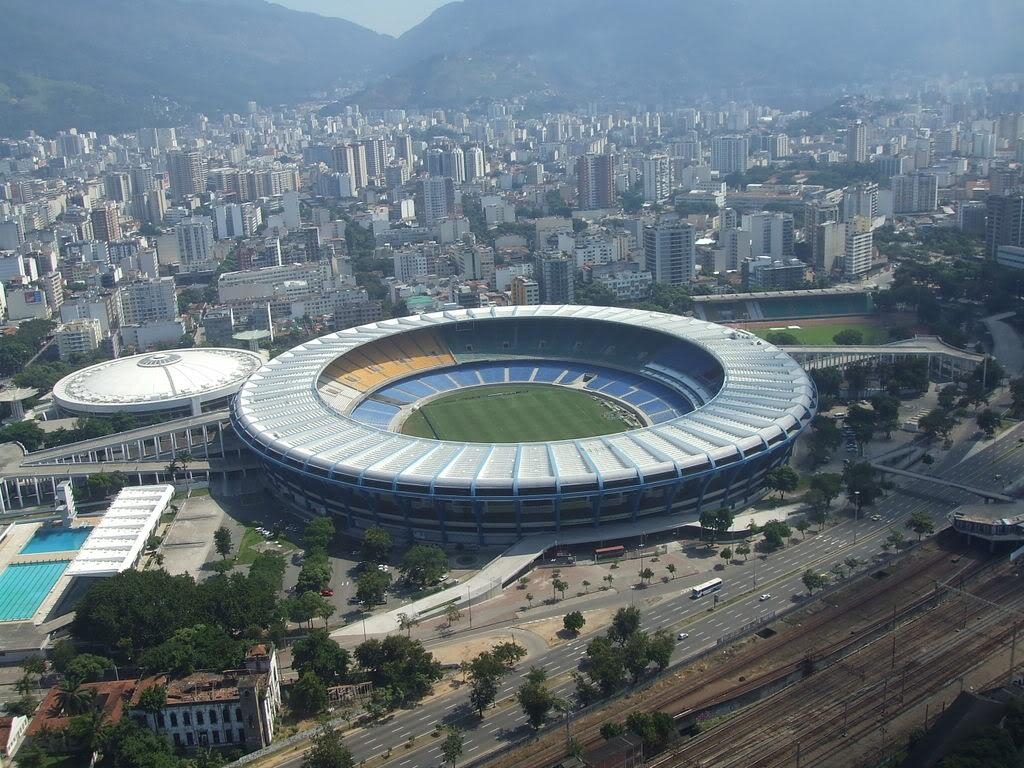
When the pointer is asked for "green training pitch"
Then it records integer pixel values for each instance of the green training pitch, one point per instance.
(520, 413)
(821, 335)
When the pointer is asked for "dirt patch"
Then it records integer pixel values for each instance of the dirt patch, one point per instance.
(464, 650)
(549, 629)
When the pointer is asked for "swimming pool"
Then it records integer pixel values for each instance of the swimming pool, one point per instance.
(24, 586)
(56, 540)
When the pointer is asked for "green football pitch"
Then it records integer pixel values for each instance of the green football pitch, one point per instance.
(520, 413)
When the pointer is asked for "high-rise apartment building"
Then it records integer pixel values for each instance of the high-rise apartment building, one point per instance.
(1004, 224)
(729, 154)
(657, 179)
(475, 166)
(595, 182)
(195, 243)
(435, 200)
(915, 193)
(106, 225)
(185, 173)
(79, 337)
(453, 164)
(859, 247)
(857, 142)
(525, 291)
(670, 252)
(556, 279)
(350, 159)
(376, 157)
(860, 200)
(778, 146)
(771, 235)
(149, 301)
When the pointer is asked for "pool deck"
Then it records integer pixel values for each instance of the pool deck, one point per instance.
(10, 554)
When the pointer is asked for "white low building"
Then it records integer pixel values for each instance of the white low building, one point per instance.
(117, 542)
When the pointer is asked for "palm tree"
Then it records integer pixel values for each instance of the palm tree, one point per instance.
(74, 699)
(586, 586)
(671, 568)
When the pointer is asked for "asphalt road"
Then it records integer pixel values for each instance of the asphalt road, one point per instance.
(779, 574)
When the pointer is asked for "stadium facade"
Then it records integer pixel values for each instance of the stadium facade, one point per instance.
(720, 408)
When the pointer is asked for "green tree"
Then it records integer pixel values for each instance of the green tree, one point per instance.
(319, 654)
(782, 479)
(989, 421)
(75, 699)
(802, 526)
(708, 518)
(485, 670)
(645, 576)
(625, 624)
(222, 541)
(559, 585)
(775, 533)
(887, 413)
(606, 664)
(573, 622)
(659, 648)
(723, 521)
(671, 568)
(1017, 397)
(309, 694)
(28, 433)
(452, 614)
(938, 423)
(401, 664)
(451, 747)
(153, 699)
(636, 654)
(508, 653)
(920, 523)
(327, 750)
(863, 484)
(726, 555)
(813, 580)
(849, 337)
(376, 546)
(612, 730)
(534, 697)
(424, 564)
(371, 586)
(319, 534)
(829, 484)
(655, 729)
(896, 539)
(743, 549)
(406, 623)
(88, 668)
(781, 338)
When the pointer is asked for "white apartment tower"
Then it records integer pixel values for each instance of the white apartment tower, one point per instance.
(670, 252)
(657, 179)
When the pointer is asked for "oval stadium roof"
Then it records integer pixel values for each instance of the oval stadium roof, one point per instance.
(766, 397)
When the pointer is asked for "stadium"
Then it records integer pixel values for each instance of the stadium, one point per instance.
(485, 425)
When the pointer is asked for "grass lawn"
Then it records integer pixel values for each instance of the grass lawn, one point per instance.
(513, 414)
(819, 335)
(247, 548)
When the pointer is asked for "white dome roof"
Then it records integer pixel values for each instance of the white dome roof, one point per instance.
(157, 380)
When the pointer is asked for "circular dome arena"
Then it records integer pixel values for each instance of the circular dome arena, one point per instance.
(485, 425)
(180, 382)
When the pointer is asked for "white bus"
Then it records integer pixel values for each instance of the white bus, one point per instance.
(708, 586)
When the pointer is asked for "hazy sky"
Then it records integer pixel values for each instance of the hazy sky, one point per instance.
(392, 17)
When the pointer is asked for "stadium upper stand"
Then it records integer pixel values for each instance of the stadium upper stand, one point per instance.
(789, 305)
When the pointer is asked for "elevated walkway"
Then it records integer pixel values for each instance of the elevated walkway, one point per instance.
(982, 492)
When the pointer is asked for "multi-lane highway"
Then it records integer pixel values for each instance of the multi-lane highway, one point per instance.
(739, 604)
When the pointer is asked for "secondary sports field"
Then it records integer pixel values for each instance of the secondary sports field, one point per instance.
(514, 414)
(818, 335)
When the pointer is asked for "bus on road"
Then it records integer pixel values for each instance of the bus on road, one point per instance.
(708, 586)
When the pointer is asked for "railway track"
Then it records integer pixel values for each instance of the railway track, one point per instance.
(850, 700)
(679, 702)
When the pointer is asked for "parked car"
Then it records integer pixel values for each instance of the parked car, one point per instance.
(327, 592)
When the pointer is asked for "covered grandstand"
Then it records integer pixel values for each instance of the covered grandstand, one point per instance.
(843, 301)
(721, 407)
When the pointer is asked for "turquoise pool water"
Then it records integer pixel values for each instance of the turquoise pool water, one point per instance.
(24, 586)
(56, 540)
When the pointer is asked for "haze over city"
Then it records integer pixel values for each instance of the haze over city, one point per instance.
(511, 383)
